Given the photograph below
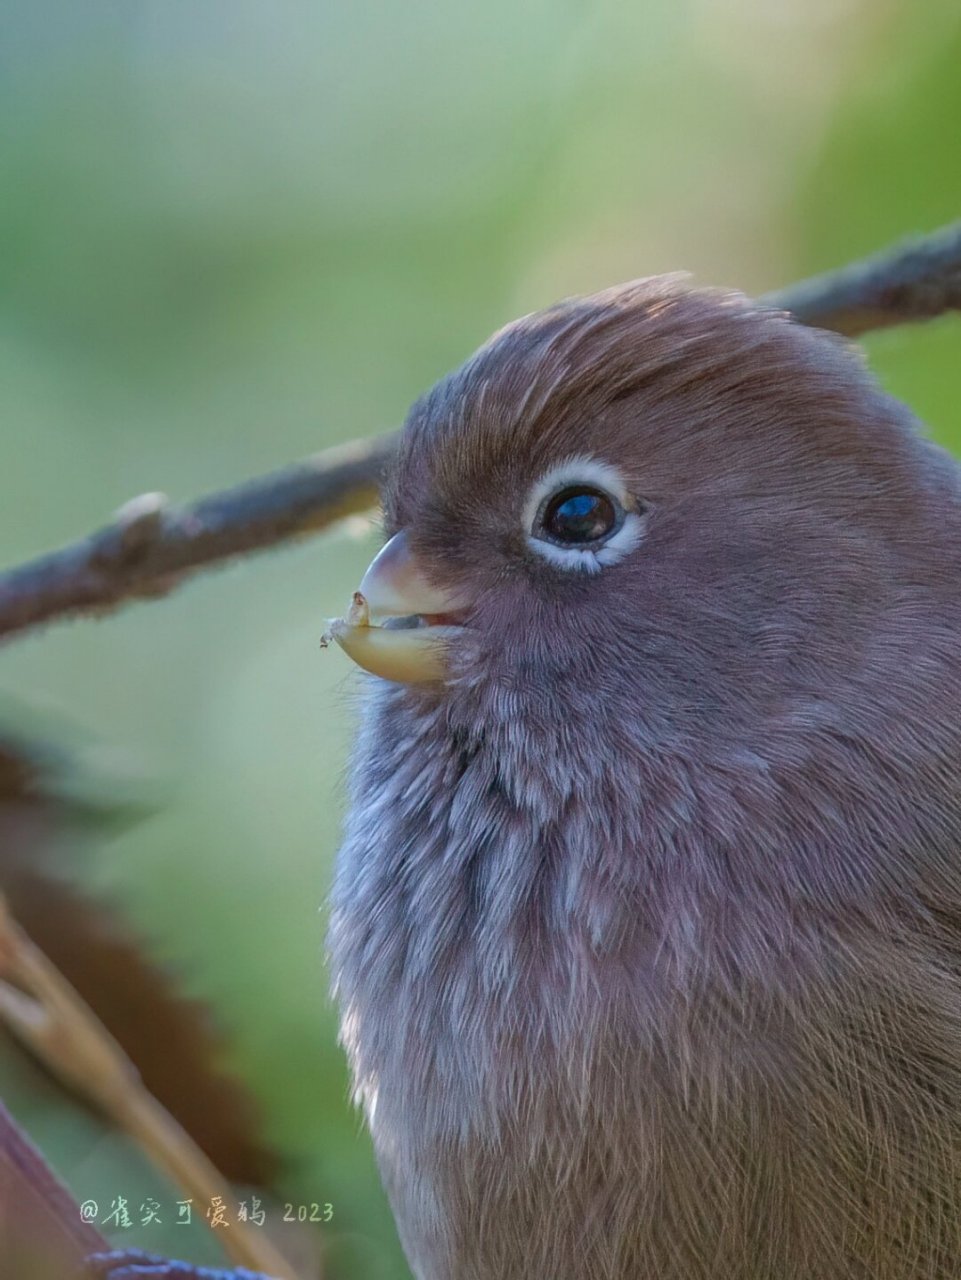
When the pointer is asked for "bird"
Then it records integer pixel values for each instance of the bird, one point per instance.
(646, 924)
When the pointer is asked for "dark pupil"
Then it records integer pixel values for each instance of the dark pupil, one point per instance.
(579, 515)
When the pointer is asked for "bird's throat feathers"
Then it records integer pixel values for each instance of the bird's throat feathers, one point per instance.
(513, 887)
(476, 865)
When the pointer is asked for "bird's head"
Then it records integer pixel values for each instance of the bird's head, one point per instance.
(657, 497)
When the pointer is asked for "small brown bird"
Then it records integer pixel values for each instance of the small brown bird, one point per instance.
(647, 922)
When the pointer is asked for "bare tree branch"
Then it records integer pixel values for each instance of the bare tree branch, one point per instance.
(151, 547)
(916, 280)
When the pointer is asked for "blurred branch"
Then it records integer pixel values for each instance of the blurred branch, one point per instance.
(151, 546)
(915, 280)
(45, 1012)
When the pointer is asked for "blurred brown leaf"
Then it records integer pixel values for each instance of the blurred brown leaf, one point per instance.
(172, 1040)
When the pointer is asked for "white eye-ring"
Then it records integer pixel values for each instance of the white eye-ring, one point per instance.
(580, 516)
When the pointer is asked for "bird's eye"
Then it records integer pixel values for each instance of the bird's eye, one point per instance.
(578, 516)
(582, 515)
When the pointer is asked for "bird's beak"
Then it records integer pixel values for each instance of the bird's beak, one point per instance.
(399, 625)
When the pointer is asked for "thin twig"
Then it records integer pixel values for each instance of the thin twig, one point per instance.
(151, 546)
(50, 1018)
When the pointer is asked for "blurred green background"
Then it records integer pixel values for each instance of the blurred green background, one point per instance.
(233, 232)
